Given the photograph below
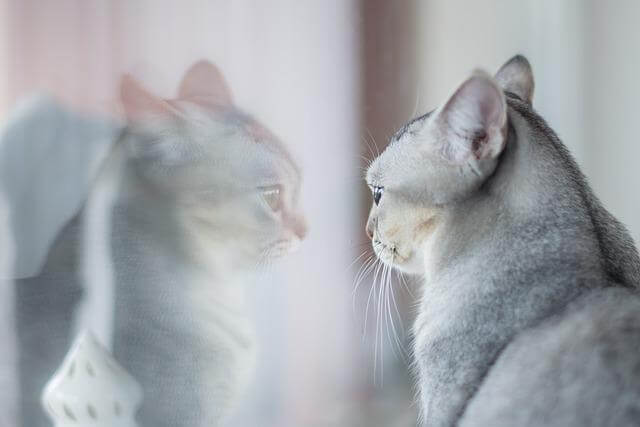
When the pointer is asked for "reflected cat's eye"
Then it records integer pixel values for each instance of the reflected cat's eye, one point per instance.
(377, 194)
(272, 195)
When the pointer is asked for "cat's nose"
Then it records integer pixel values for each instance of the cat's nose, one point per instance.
(300, 227)
(369, 228)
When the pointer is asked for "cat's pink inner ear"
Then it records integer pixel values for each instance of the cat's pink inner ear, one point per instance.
(474, 119)
(139, 104)
(204, 81)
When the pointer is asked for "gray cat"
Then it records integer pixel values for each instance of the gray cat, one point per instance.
(194, 196)
(205, 194)
(529, 313)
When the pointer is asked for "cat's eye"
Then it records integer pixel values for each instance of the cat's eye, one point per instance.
(377, 194)
(272, 195)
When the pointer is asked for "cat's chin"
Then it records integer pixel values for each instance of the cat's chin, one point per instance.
(394, 258)
(280, 249)
(411, 266)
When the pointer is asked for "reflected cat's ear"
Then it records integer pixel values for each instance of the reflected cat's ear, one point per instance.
(140, 104)
(472, 124)
(143, 108)
(516, 76)
(204, 80)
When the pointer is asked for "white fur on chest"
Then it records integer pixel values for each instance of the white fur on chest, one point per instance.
(221, 315)
(440, 307)
(442, 294)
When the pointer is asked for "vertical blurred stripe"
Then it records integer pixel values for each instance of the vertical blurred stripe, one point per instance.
(8, 356)
(4, 57)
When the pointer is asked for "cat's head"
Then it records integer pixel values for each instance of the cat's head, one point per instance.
(439, 160)
(232, 186)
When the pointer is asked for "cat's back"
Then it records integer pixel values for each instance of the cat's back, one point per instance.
(580, 368)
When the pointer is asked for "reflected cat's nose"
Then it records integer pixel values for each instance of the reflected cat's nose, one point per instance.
(299, 227)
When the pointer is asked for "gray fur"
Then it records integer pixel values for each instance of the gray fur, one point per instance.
(189, 227)
(578, 368)
(514, 243)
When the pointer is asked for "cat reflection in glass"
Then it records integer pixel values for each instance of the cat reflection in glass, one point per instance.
(206, 193)
(193, 198)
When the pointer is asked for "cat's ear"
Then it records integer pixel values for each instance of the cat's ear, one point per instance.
(472, 124)
(143, 108)
(516, 76)
(204, 79)
(140, 104)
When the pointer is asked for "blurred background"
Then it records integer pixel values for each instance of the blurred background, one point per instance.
(334, 80)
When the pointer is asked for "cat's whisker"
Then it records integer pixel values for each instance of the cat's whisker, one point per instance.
(373, 140)
(396, 336)
(383, 313)
(386, 305)
(402, 331)
(359, 245)
(368, 143)
(362, 272)
(375, 347)
(379, 267)
(382, 292)
(405, 284)
(363, 170)
(379, 323)
(366, 160)
(377, 264)
(363, 165)
(393, 297)
(365, 142)
(387, 311)
(357, 258)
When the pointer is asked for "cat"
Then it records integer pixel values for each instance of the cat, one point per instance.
(194, 196)
(206, 193)
(529, 313)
